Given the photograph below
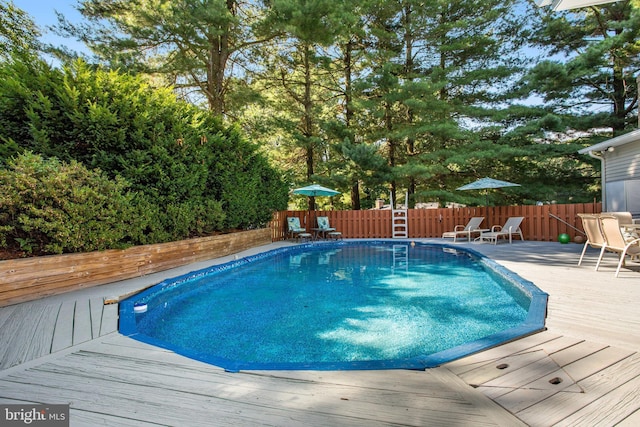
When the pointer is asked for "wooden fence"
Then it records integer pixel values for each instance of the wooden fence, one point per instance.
(538, 225)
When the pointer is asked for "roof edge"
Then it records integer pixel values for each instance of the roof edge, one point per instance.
(613, 142)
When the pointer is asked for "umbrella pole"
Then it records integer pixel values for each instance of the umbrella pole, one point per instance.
(486, 204)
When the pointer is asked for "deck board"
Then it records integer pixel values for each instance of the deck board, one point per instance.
(575, 352)
(40, 343)
(81, 322)
(17, 347)
(168, 389)
(109, 320)
(632, 420)
(563, 405)
(63, 332)
(96, 307)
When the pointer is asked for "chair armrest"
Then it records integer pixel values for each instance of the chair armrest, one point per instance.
(458, 228)
(496, 228)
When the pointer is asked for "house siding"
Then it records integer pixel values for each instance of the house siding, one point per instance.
(622, 178)
(623, 163)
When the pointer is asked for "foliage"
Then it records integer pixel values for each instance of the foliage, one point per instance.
(366, 96)
(189, 43)
(592, 65)
(18, 33)
(50, 207)
(188, 174)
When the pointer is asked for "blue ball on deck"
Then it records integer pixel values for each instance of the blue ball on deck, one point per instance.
(564, 238)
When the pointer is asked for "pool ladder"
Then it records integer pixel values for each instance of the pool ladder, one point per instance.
(400, 258)
(399, 225)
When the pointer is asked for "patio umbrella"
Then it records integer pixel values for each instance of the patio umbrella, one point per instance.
(486, 184)
(315, 190)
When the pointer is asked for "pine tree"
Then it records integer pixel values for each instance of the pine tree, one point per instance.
(191, 44)
(590, 79)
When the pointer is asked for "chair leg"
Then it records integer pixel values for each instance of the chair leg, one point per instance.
(600, 257)
(584, 249)
(621, 262)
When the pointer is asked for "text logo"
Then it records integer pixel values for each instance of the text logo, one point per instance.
(34, 415)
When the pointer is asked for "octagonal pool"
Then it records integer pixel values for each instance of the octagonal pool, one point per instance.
(341, 305)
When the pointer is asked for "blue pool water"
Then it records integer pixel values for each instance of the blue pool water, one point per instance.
(345, 305)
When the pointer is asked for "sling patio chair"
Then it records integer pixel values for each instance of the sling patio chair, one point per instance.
(510, 228)
(295, 230)
(615, 242)
(595, 238)
(472, 227)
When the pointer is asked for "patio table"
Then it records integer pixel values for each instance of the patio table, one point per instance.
(321, 232)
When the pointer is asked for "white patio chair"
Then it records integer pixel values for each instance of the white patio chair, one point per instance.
(472, 227)
(595, 238)
(615, 242)
(509, 229)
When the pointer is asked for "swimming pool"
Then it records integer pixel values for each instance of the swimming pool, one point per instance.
(340, 305)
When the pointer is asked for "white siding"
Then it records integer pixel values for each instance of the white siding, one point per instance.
(623, 163)
(622, 178)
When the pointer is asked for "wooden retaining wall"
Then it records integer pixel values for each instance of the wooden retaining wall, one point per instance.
(538, 225)
(27, 279)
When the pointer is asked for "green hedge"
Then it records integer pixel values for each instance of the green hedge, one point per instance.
(52, 207)
(178, 170)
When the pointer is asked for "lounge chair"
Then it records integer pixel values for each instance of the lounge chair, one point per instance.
(295, 230)
(510, 228)
(615, 242)
(325, 229)
(595, 238)
(472, 227)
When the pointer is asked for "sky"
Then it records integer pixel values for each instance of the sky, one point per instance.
(43, 12)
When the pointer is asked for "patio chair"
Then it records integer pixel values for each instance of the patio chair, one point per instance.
(295, 230)
(615, 242)
(325, 229)
(472, 227)
(595, 238)
(510, 228)
(627, 225)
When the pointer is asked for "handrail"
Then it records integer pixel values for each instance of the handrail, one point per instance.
(566, 223)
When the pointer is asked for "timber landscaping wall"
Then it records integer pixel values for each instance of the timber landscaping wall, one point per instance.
(27, 279)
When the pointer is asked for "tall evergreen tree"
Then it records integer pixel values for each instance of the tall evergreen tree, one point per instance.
(440, 70)
(193, 45)
(302, 68)
(590, 79)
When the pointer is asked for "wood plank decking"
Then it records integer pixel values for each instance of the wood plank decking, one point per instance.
(583, 371)
(32, 330)
(125, 382)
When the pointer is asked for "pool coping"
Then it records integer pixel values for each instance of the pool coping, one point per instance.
(534, 322)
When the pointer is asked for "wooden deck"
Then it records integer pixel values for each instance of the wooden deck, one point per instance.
(30, 331)
(584, 370)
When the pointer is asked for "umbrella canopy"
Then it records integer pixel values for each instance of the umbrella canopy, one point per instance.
(487, 183)
(315, 190)
(312, 191)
